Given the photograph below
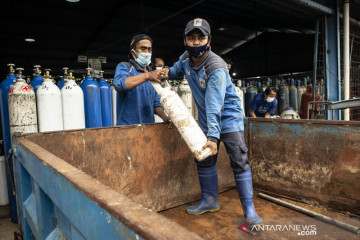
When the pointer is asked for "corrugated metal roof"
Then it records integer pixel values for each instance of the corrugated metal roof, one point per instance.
(64, 30)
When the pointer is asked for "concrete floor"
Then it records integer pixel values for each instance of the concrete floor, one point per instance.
(7, 228)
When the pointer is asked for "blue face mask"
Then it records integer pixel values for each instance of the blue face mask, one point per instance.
(143, 59)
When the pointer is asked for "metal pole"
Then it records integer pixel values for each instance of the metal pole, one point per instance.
(315, 60)
(346, 57)
(324, 218)
(338, 112)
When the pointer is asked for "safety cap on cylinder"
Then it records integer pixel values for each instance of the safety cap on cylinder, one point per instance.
(47, 73)
(66, 69)
(88, 71)
(37, 69)
(19, 73)
(11, 67)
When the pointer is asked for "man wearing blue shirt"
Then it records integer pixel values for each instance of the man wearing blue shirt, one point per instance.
(264, 104)
(137, 100)
(220, 118)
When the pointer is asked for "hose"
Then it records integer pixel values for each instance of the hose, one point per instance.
(324, 218)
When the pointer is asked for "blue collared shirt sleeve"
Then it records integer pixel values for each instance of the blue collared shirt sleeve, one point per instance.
(157, 101)
(121, 73)
(177, 70)
(214, 101)
(273, 106)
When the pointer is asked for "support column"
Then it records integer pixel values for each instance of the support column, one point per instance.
(346, 56)
(332, 75)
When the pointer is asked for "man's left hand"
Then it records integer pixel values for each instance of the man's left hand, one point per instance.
(212, 145)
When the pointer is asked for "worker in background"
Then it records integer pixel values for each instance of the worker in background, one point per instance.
(264, 104)
(137, 99)
(158, 64)
(229, 64)
(220, 118)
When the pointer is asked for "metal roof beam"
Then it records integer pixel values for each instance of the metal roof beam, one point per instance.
(315, 6)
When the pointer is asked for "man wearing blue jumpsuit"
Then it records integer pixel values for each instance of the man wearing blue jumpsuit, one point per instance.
(220, 118)
(264, 104)
(137, 100)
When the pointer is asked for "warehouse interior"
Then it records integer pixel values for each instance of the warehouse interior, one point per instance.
(74, 172)
(262, 38)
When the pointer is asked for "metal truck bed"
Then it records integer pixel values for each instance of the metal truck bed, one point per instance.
(109, 183)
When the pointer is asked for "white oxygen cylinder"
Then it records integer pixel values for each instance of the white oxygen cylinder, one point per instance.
(72, 98)
(22, 107)
(240, 94)
(48, 97)
(113, 100)
(184, 121)
(4, 200)
(185, 94)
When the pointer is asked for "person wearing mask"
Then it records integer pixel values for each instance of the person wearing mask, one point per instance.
(264, 104)
(220, 118)
(159, 63)
(137, 99)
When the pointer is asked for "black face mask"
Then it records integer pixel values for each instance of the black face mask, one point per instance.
(197, 52)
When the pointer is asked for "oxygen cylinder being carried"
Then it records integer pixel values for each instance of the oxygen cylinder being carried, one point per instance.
(114, 103)
(22, 107)
(72, 98)
(293, 100)
(63, 79)
(283, 99)
(106, 108)
(249, 96)
(48, 98)
(184, 121)
(92, 101)
(37, 79)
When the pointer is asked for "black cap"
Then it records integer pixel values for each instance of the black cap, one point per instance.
(135, 39)
(200, 24)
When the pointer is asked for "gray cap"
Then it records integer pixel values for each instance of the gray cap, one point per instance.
(198, 23)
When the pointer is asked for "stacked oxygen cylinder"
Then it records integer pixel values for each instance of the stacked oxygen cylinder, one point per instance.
(292, 95)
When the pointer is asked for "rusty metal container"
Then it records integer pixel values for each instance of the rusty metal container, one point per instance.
(84, 183)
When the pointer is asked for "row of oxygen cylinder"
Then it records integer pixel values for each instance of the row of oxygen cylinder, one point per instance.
(289, 93)
(42, 106)
(67, 106)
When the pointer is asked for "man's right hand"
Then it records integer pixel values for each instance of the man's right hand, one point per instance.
(165, 73)
(155, 76)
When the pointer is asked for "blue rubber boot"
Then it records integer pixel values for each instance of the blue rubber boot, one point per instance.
(209, 192)
(245, 189)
